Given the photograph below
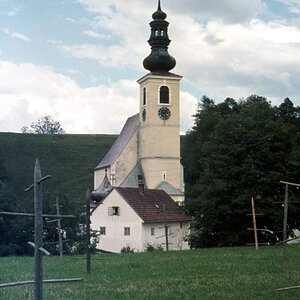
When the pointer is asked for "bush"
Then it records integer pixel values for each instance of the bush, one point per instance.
(150, 248)
(127, 249)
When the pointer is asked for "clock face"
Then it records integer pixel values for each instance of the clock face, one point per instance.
(144, 114)
(164, 113)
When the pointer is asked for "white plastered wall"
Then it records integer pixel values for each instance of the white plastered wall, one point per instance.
(115, 240)
(122, 166)
(176, 235)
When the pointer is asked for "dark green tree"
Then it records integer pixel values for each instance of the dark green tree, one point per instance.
(15, 232)
(235, 151)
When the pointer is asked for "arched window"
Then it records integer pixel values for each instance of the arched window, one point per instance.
(164, 95)
(144, 96)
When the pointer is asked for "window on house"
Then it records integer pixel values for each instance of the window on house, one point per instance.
(164, 175)
(114, 211)
(144, 96)
(180, 225)
(164, 95)
(126, 230)
(102, 230)
(152, 231)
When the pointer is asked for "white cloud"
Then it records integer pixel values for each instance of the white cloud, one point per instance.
(95, 34)
(218, 55)
(12, 13)
(231, 11)
(70, 20)
(72, 71)
(28, 91)
(15, 34)
(256, 58)
(293, 5)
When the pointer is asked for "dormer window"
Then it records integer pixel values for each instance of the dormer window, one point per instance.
(164, 95)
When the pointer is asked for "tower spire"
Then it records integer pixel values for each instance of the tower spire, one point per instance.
(159, 59)
(159, 5)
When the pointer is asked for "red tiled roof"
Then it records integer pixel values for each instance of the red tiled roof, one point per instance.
(149, 205)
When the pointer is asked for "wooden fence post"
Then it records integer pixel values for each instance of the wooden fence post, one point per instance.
(59, 229)
(166, 228)
(88, 236)
(286, 203)
(38, 232)
(254, 224)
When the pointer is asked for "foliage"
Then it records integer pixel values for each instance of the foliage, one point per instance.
(15, 232)
(151, 248)
(215, 273)
(235, 151)
(44, 125)
(70, 159)
(127, 249)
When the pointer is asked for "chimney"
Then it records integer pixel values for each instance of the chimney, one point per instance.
(141, 184)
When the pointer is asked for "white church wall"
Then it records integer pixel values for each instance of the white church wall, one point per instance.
(126, 161)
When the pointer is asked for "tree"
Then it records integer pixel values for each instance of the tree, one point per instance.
(235, 151)
(44, 125)
(15, 232)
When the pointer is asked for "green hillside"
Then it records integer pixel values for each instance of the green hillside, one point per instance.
(69, 158)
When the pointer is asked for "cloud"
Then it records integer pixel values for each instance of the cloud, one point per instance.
(15, 34)
(70, 20)
(258, 58)
(230, 11)
(12, 13)
(94, 34)
(221, 47)
(28, 91)
(293, 5)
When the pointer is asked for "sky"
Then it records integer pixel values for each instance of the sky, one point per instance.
(79, 60)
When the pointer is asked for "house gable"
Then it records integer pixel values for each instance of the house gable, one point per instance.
(115, 214)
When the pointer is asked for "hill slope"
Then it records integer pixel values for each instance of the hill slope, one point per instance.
(69, 158)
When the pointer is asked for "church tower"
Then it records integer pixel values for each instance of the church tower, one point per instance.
(147, 151)
(159, 130)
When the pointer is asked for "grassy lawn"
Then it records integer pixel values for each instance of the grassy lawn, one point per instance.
(221, 273)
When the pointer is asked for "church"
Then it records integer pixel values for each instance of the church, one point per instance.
(139, 184)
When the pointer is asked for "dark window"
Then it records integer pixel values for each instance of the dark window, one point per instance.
(152, 231)
(102, 231)
(144, 96)
(164, 95)
(126, 230)
(114, 211)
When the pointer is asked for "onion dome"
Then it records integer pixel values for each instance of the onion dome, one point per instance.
(159, 59)
(103, 190)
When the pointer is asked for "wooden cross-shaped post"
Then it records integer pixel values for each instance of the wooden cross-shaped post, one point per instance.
(285, 216)
(254, 224)
(38, 229)
(166, 228)
(88, 236)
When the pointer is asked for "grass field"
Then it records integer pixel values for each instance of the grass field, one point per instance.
(221, 273)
